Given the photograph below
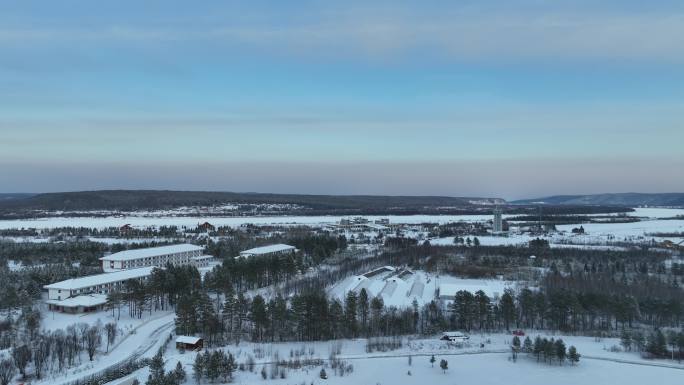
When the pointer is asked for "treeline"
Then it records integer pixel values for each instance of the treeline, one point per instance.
(252, 273)
(31, 253)
(83, 252)
(21, 287)
(159, 292)
(601, 301)
(81, 231)
(550, 350)
(655, 344)
(309, 316)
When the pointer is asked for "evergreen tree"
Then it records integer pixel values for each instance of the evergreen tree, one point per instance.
(626, 340)
(657, 344)
(444, 365)
(179, 373)
(560, 351)
(157, 365)
(259, 317)
(350, 306)
(527, 345)
(573, 356)
(538, 348)
(364, 308)
(198, 367)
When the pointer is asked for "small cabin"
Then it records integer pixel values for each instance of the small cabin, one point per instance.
(206, 226)
(189, 343)
(454, 337)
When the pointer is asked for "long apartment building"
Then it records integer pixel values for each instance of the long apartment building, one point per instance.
(177, 255)
(89, 293)
(263, 251)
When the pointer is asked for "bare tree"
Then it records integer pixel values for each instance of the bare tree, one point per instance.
(21, 356)
(60, 348)
(110, 329)
(7, 371)
(92, 340)
(41, 352)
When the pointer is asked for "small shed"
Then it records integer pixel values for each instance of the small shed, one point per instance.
(206, 226)
(454, 337)
(189, 343)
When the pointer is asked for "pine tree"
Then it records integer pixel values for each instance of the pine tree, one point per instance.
(573, 356)
(198, 367)
(657, 343)
(432, 361)
(549, 349)
(444, 365)
(626, 340)
(157, 365)
(259, 317)
(538, 348)
(527, 345)
(560, 351)
(364, 308)
(179, 373)
(350, 306)
(515, 348)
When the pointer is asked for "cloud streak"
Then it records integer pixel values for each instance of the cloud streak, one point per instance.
(451, 32)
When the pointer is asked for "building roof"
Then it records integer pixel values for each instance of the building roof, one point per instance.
(128, 255)
(100, 279)
(268, 249)
(81, 300)
(187, 340)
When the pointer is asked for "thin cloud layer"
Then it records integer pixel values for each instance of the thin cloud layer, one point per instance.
(448, 30)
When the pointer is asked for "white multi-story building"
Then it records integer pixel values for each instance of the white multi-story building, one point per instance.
(279, 249)
(177, 255)
(88, 293)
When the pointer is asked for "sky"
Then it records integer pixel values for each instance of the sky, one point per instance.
(505, 98)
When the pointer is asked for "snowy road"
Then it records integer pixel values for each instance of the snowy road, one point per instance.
(145, 340)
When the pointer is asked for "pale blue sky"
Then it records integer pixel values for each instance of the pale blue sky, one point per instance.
(496, 98)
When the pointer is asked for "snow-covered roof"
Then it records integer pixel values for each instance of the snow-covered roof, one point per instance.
(100, 279)
(187, 340)
(81, 300)
(128, 255)
(267, 249)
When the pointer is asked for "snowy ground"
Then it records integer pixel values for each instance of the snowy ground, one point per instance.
(401, 289)
(468, 364)
(142, 341)
(55, 320)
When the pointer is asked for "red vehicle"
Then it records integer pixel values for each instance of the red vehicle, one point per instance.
(518, 333)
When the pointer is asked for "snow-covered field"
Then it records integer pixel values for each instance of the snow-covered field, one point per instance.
(400, 290)
(469, 364)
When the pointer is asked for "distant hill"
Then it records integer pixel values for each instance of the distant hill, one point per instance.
(128, 200)
(11, 196)
(618, 199)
